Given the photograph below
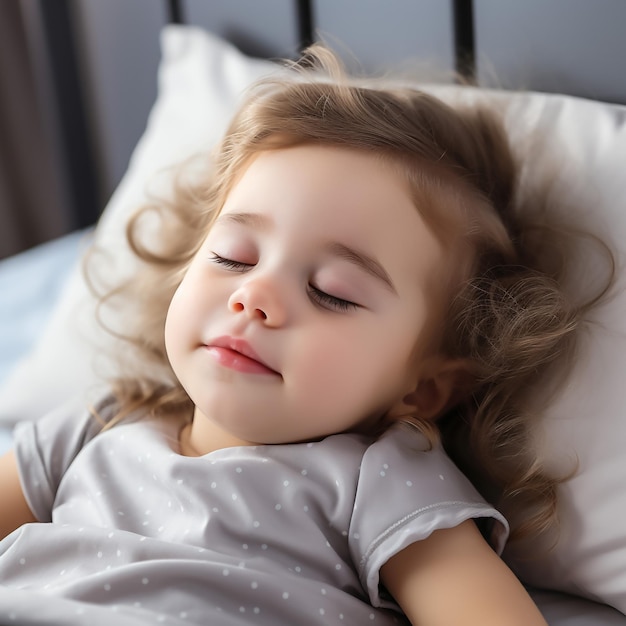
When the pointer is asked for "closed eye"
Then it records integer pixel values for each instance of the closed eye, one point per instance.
(231, 264)
(329, 302)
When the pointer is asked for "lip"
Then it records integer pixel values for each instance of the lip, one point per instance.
(237, 354)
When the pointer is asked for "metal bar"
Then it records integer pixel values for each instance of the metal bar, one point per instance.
(464, 42)
(175, 12)
(83, 182)
(304, 13)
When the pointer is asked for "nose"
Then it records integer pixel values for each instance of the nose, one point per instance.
(260, 298)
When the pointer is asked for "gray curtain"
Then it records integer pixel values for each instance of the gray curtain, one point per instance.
(31, 195)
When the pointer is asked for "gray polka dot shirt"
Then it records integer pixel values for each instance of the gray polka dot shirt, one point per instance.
(135, 533)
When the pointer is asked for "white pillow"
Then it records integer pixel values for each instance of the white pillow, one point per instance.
(200, 81)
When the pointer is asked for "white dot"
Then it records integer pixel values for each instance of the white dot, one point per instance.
(409, 483)
(242, 609)
(256, 524)
(225, 572)
(22, 561)
(356, 536)
(372, 616)
(441, 477)
(298, 569)
(145, 581)
(323, 591)
(99, 555)
(338, 566)
(254, 585)
(213, 485)
(234, 496)
(306, 509)
(244, 546)
(238, 470)
(304, 472)
(285, 595)
(107, 587)
(285, 483)
(382, 473)
(386, 466)
(263, 546)
(278, 507)
(257, 610)
(180, 481)
(322, 611)
(340, 615)
(182, 615)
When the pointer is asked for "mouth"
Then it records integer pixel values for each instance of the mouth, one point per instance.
(238, 355)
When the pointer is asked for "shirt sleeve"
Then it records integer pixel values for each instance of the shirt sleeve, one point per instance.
(405, 492)
(45, 448)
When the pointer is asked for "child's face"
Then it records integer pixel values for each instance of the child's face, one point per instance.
(309, 309)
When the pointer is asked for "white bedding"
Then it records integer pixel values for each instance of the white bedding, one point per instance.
(30, 284)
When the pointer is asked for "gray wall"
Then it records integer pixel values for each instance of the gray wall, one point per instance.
(570, 46)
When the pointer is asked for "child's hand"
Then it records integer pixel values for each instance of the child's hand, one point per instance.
(14, 510)
(454, 577)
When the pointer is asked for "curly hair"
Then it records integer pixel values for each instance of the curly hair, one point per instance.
(509, 317)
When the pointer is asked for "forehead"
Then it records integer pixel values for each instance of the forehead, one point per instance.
(328, 182)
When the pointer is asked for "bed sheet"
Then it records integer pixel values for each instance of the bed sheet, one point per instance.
(30, 284)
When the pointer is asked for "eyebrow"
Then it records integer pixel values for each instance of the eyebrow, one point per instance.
(340, 250)
(255, 220)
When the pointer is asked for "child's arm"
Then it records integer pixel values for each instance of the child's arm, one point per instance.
(454, 577)
(14, 510)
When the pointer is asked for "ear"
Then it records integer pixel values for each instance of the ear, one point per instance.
(439, 388)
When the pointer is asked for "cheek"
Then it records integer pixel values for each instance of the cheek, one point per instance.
(172, 327)
(354, 356)
(182, 317)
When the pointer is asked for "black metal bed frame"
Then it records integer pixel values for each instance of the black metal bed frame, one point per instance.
(70, 101)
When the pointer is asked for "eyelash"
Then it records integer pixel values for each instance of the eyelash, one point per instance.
(319, 297)
(326, 301)
(236, 266)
